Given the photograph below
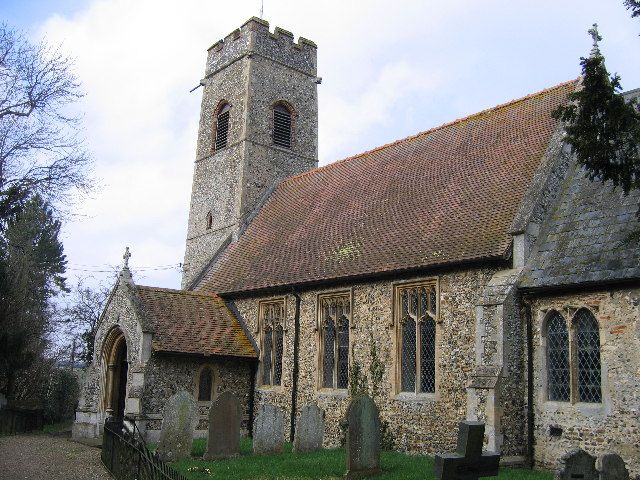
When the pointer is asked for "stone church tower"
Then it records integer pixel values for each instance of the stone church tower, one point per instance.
(258, 125)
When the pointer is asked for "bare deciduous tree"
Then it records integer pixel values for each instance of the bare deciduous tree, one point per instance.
(40, 148)
(81, 315)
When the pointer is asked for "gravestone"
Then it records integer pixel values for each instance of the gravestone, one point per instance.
(577, 465)
(268, 430)
(309, 429)
(363, 438)
(611, 467)
(224, 427)
(179, 421)
(468, 462)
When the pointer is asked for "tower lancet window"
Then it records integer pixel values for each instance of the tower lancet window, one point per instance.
(282, 126)
(222, 127)
(209, 221)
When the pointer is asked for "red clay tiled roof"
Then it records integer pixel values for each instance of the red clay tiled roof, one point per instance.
(190, 322)
(444, 196)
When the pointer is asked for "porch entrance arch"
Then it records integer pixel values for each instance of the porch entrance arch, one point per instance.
(114, 354)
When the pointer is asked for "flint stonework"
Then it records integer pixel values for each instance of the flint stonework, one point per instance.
(309, 429)
(363, 438)
(268, 430)
(224, 428)
(178, 424)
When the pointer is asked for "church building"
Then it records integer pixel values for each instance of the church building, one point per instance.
(471, 271)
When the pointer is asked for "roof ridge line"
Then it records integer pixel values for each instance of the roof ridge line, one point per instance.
(431, 130)
(180, 291)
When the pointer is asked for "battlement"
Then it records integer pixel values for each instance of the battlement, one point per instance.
(254, 37)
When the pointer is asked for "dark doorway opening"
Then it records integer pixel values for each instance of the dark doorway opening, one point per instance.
(122, 368)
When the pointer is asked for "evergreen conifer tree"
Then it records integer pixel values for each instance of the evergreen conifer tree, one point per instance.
(603, 128)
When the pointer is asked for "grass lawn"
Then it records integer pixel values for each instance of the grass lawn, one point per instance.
(325, 464)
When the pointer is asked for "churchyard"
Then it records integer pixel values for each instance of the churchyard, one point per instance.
(322, 464)
(225, 455)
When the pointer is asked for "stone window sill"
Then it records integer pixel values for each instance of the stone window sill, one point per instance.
(586, 409)
(415, 397)
(270, 389)
(331, 393)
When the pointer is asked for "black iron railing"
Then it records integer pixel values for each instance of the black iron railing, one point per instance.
(126, 456)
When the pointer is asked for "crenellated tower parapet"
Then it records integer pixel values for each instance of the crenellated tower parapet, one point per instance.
(254, 38)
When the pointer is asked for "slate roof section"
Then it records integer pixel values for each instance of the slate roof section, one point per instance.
(193, 323)
(587, 238)
(444, 196)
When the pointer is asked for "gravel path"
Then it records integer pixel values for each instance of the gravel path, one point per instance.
(45, 457)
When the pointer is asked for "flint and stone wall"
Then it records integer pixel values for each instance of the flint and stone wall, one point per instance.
(614, 424)
(153, 377)
(420, 423)
(166, 375)
(120, 312)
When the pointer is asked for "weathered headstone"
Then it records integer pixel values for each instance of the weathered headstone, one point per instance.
(179, 421)
(468, 463)
(309, 429)
(577, 464)
(363, 438)
(611, 467)
(268, 430)
(224, 427)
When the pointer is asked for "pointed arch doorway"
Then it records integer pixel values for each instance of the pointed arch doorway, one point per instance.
(117, 368)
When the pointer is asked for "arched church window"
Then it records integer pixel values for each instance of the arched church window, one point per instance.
(335, 319)
(558, 374)
(588, 368)
(222, 127)
(272, 329)
(416, 312)
(282, 126)
(209, 221)
(205, 384)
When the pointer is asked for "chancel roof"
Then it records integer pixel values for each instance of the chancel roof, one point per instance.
(193, 323)
(445, 196)
(591, 237)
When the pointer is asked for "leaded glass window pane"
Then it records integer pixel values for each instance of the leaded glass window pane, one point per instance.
(408, 355)
(204, 385)
(329, 353)
(343, 352)
(428, 356)
(417, 331)
(266, 355)
(272, 321)
(558, 376)
(335, 318)
(277, 363)
(588, 357)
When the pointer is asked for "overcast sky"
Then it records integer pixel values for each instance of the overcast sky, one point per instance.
(389, 69)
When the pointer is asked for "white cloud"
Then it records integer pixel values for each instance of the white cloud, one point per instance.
(389, 70)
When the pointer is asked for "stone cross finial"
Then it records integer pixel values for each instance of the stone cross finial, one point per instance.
(468, 463)
(126, 257)
(593, 31)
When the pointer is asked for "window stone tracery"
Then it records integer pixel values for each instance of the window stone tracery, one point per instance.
(416, 313)
(334, 323)
(272, 325)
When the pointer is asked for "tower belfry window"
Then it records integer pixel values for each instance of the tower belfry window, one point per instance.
(222, 127)
(282, 126)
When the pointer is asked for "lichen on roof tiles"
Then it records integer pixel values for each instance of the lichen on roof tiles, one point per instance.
(193, 323)
(447, 195)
